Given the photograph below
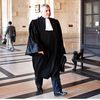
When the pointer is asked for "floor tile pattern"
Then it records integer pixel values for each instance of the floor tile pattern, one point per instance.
(17, 78)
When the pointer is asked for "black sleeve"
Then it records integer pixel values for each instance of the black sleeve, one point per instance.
(14, 31)
(34, 34)
(33, 44)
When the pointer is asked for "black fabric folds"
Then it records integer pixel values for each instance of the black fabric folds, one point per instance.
(62, 63)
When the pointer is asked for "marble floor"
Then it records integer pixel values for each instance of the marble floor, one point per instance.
(17, 78)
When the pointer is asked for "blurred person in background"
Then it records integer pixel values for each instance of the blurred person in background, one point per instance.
(11, 36)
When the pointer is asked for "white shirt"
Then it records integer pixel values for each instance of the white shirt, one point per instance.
(48, 25)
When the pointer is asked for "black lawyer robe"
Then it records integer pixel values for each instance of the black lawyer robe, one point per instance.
(50, 42)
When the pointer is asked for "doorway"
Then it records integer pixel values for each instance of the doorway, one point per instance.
(91, 26)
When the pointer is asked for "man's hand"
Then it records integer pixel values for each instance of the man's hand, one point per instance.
(41, 52)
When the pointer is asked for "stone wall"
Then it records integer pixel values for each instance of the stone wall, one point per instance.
(68, 13)
(71, 44)
(20, 20)
(21, 37)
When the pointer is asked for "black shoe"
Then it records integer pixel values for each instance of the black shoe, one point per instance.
(74, 69)
(39, 91)
(60, 93)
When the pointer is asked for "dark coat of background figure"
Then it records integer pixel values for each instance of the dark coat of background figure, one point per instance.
(50, 43)
(12, 33)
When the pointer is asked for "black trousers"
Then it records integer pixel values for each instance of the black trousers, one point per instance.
(56, 83)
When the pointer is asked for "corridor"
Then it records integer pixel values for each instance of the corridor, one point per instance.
(17, 78)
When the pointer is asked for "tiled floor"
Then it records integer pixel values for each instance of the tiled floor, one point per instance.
(17, 78)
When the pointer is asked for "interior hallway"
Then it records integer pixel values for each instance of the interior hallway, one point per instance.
(17, 78)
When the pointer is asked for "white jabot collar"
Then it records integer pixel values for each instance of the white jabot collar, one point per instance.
(48, 25)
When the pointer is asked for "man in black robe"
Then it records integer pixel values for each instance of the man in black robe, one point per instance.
(45, 45)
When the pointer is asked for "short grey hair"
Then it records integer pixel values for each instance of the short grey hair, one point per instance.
(44, 5)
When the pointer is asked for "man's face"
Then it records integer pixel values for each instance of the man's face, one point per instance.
(46, 12)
